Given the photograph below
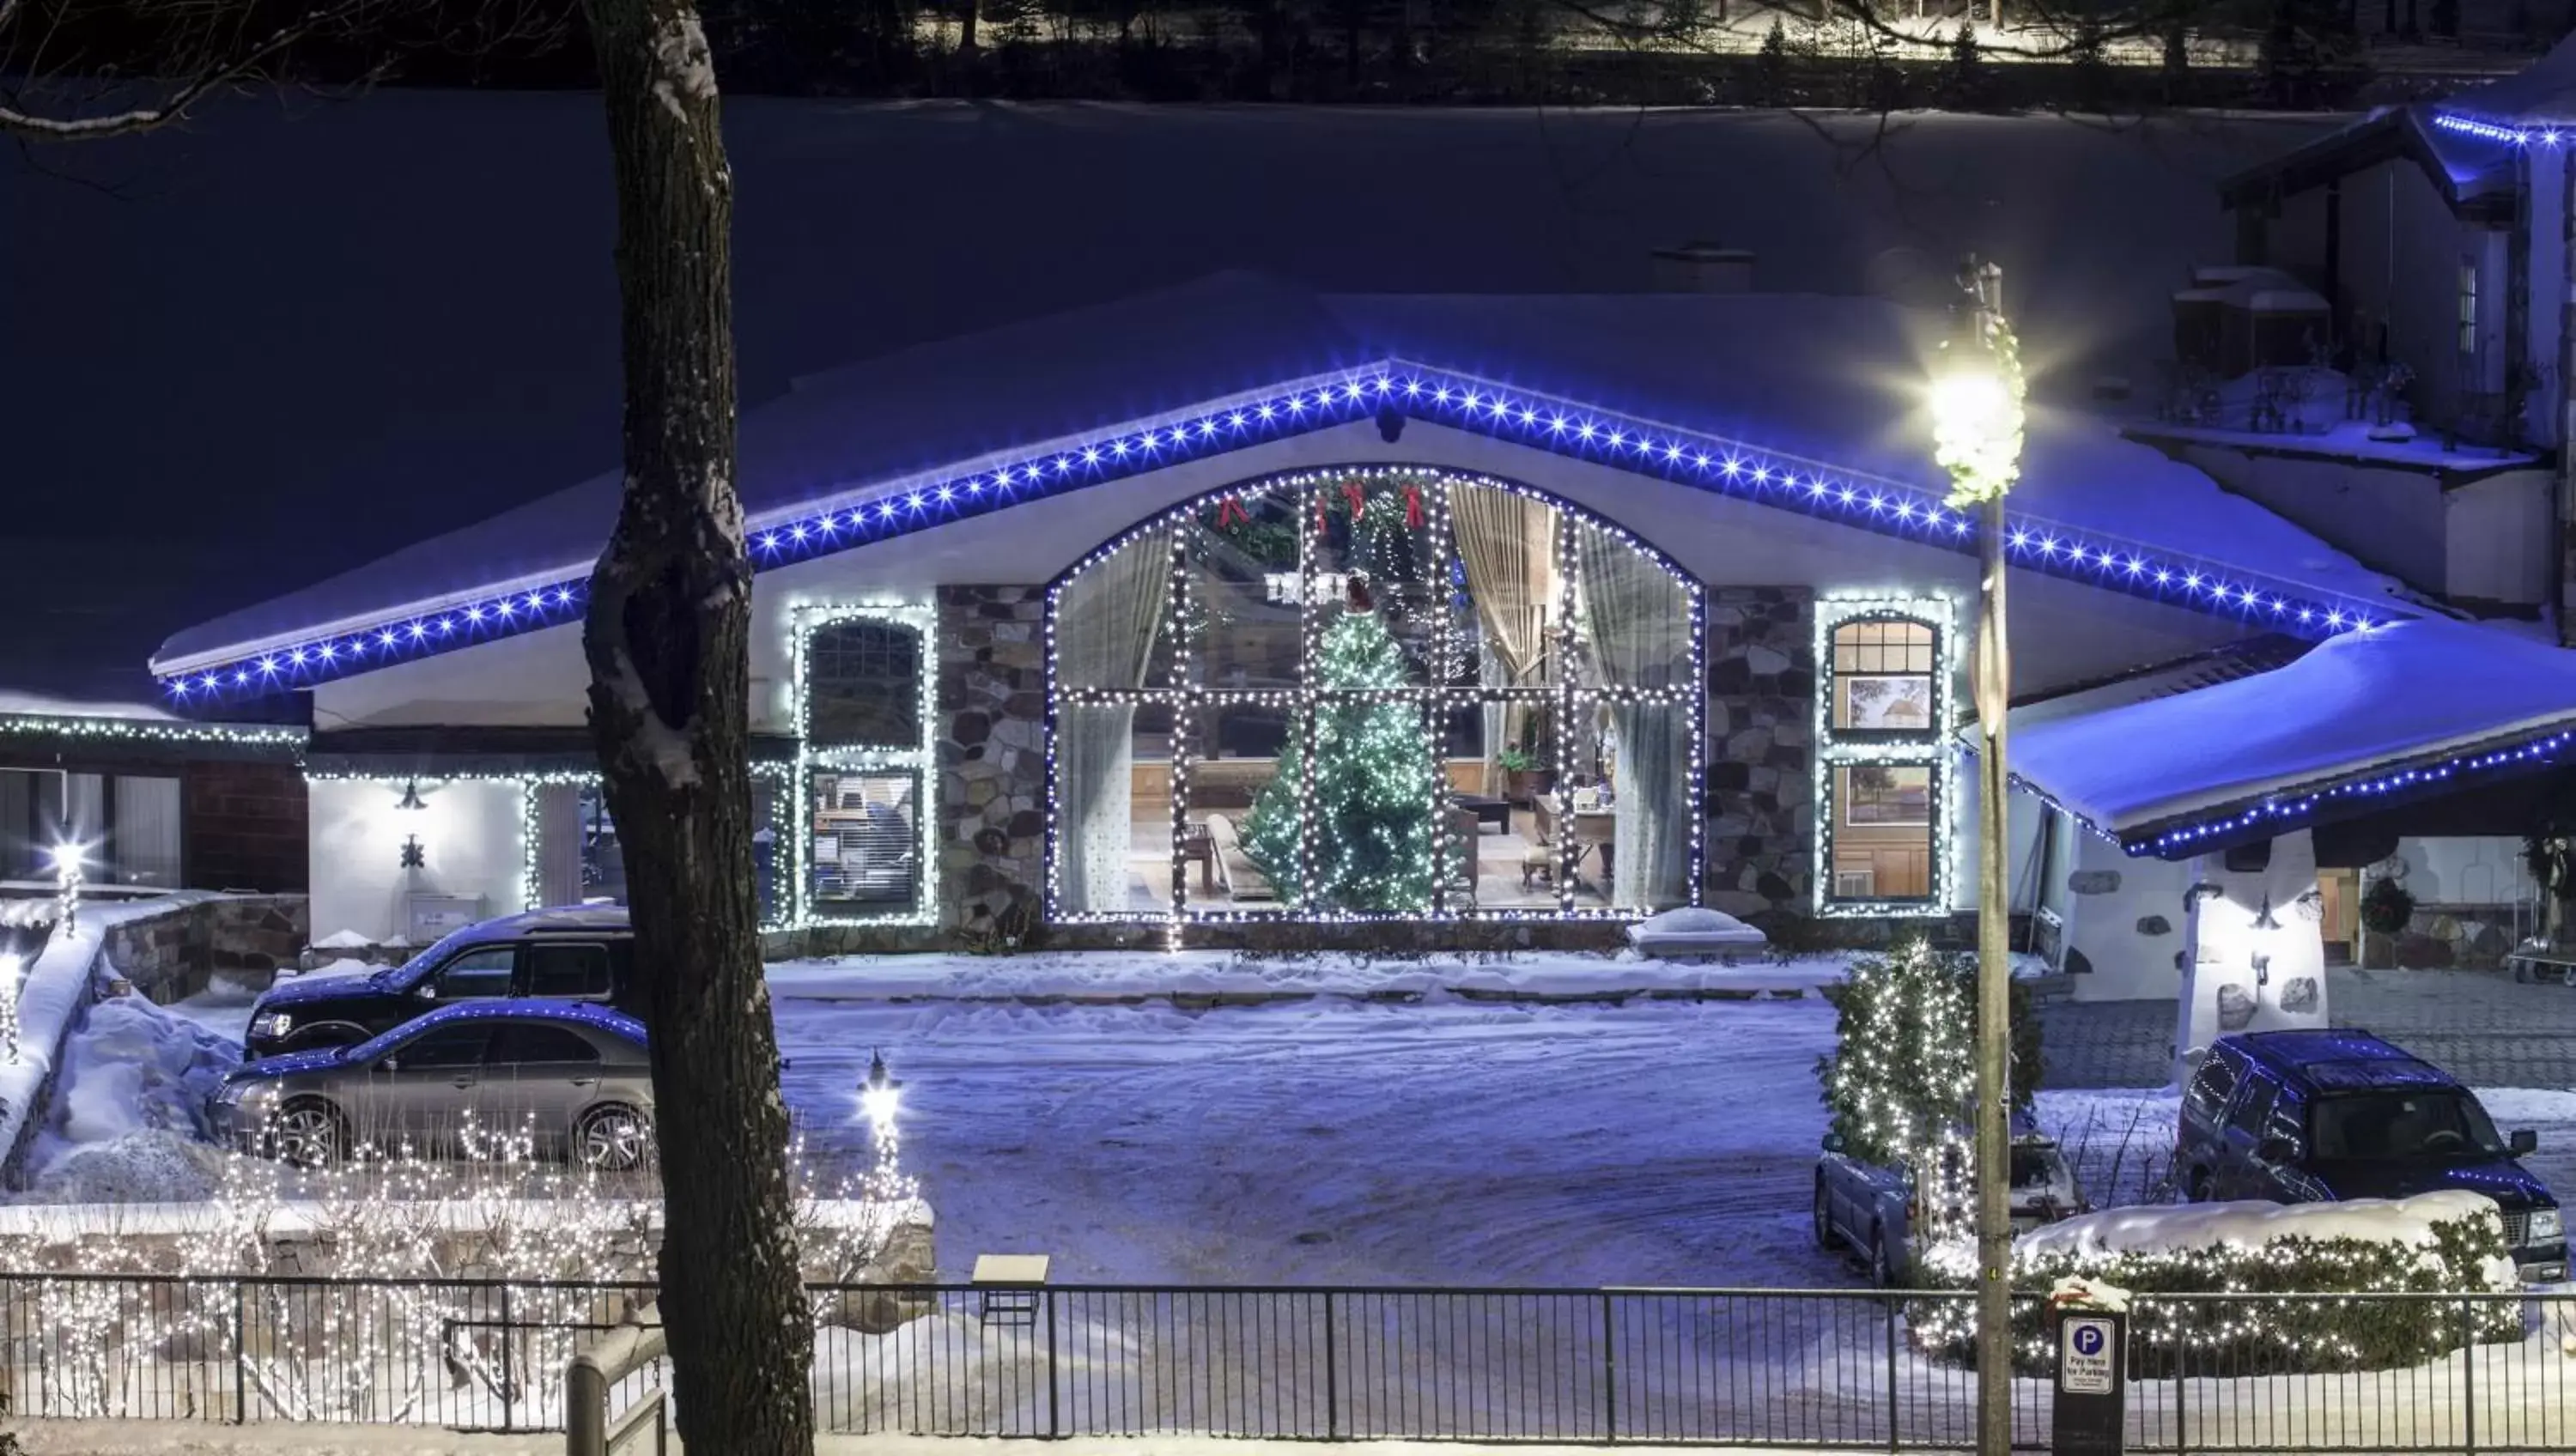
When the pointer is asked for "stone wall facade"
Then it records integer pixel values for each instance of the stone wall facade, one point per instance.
(172, 956)
(1760, 785)
(990, 837)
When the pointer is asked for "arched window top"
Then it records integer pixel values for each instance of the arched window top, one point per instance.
(1886, 675)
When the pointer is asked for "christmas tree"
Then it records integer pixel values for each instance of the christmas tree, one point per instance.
(1371, 795)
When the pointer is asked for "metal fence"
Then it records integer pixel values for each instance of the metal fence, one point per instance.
(1842, 1369)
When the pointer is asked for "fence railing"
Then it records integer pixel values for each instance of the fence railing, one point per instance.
(1842, 1369)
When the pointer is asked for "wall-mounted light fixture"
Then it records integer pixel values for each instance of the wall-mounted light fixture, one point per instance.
(411, 798)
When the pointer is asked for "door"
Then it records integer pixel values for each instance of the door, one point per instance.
(2241, 1173)
(537, 1078)
(2338, 892)
(423, 1089)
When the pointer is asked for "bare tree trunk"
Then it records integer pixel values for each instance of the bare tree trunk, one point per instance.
(1993, 668)
(667, 639)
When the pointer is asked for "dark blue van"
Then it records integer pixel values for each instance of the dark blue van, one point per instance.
(2320, 1116)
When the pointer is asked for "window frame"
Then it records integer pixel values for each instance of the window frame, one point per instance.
(1436, 698)
(527, 972)
(2468, 300)
(916, 757)
(1930, 748)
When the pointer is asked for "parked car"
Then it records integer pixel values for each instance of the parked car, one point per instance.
(574, 1076)
(1870, 1209)
(2322, 1115)
(584, 953)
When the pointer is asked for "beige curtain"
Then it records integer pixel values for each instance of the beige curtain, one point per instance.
(1507, 543)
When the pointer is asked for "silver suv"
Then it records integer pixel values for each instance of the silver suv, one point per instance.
(573, 1076)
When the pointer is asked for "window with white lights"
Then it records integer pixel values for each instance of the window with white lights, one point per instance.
(1883, 757)
(2468, 320)
(1373, 692)
(861, 818)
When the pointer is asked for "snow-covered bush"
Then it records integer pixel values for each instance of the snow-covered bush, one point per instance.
(2436, 1243)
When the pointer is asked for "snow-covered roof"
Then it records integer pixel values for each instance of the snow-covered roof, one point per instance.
(1835, 381)
(2541, 94)
(2398, 707)
(2469, 164)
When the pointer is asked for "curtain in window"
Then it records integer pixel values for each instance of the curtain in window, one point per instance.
(1636, 622)
(1507, 543)
(1115, 610)
(146, 832)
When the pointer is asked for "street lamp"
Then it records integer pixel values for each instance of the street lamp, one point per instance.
(1976, 401)
(879, 1097)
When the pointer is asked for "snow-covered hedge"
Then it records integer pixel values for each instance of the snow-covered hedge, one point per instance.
(2436, 1243)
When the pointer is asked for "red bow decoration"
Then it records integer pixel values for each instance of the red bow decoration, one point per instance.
(1230, 512)
(1358, 499)
(1413, 507)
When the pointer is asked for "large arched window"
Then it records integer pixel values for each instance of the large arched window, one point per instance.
(1373, 692)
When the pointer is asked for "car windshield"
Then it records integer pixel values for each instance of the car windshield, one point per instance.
(418, 966)
(2395, 1125)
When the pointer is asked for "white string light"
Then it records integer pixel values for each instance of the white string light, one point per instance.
(1188, 697)
(1929, 749)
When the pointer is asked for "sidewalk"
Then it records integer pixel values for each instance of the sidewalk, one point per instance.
(181, 1438)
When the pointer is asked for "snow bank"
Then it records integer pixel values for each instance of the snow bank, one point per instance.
(1693, 931)
(2409, 1222)
(133, 1067)
(63, 1222)
(344, 940)
(1130, 976)
(52, 995)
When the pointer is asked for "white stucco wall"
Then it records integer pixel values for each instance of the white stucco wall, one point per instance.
(2224, 940)
(2485, 870)
(2496, 536)
(2022, 820)
(469, 835)
(2125, 919)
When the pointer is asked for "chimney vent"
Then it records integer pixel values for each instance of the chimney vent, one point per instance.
(1703, 268)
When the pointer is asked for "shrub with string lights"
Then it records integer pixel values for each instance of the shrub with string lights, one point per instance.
(1902, 1073)
(2254, 1335)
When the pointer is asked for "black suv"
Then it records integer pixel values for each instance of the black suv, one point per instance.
(582, 954)
(2318, 1116)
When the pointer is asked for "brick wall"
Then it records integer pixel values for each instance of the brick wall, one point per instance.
(244, 827)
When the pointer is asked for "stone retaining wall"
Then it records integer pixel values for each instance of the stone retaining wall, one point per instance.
(172, 956)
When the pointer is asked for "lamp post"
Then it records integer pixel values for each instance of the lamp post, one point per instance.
(68, 857)
(1977, 431)
(880, 1096)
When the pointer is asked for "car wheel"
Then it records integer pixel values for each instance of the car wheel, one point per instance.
(614, 1140)
(1882, 1269)
(307, 1134)
(1824, 1219)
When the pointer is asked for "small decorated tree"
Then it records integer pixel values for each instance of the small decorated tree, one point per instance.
(1371, 790)
(1902, 1076)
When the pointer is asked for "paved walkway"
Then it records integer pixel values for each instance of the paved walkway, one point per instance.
(2478, 1025)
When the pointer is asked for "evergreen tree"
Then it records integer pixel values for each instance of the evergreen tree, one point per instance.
(1771, 67)
(1902, 1074)
(1372, 783)
(1964, 79)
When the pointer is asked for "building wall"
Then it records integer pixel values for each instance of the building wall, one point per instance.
(244, 826)
(1760, 839)
(469, 836)
(2402, 250)
(2483, 542)
(2124, 924)
(2228, 990)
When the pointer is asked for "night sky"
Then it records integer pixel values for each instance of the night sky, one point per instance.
(295, 335)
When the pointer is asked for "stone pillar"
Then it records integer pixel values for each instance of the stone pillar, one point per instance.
(2255, 951)
(1760, 786)
(990, 834)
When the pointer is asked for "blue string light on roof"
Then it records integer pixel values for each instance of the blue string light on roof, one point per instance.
(2514, 136)
(1705, 462)
(2279, 814)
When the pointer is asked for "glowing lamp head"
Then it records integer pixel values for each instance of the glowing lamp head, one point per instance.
(1976, 403)
(68, 857)
(880, 1096)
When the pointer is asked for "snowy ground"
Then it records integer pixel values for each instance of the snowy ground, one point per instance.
(136, 1438)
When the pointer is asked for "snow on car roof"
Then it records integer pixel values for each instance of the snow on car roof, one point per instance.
(1834, 379)
(2352, 703)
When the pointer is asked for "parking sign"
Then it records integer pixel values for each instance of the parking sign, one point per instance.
(2084, 1358)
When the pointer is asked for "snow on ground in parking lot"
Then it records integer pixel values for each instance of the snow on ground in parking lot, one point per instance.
(1670, 1142)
